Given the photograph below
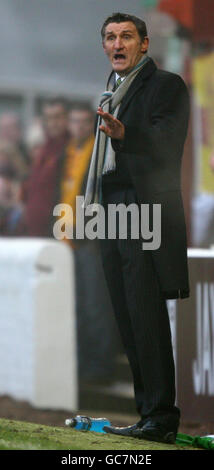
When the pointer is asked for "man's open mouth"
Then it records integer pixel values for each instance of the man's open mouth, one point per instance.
(119, 56)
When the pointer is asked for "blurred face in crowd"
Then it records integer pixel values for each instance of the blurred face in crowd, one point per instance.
(35, 151)
(35, 138)
(55, 118)
(81, 124)
(123, 46)
(10, 127)
(8, 192)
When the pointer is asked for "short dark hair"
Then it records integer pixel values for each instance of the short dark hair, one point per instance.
(121, 18)
(82, 106)
(57, 100)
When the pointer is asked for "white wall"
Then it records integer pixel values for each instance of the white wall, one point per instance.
(38, 361)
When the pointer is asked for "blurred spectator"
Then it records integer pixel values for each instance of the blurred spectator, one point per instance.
(10, 207)
(11, 157)
(203, 220)
(40, 191)
(10, 130)
(35, 139)
(95, 323)
(203, 217)
(78, 154)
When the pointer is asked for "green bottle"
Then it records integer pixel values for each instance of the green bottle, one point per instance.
(204, 442)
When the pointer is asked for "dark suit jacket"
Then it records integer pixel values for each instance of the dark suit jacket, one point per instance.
(155, 112)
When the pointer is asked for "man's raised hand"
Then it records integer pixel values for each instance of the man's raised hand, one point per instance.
(113, 127)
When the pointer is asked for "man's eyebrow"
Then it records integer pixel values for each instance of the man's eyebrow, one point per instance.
(124, 31)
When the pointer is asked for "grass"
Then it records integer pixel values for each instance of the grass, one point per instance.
(20, 435)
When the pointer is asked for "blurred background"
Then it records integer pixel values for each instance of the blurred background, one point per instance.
(54, 48)
(52, 72)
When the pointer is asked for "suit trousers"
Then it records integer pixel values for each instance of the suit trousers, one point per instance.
(140, 311)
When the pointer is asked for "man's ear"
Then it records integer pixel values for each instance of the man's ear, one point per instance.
(145, 44)
(103, 44)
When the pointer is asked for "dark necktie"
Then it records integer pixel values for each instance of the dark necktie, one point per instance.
(117, 84)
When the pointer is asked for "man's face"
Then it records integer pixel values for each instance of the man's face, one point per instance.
(123, 46)
(10, 128)
(55, 120)
(81, 124)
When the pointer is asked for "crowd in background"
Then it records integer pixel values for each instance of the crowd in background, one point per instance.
(46, 166)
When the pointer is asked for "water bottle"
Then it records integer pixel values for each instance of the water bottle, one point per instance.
(206, 442)
(84, 423)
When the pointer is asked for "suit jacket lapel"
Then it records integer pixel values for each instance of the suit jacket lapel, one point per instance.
(138, 82)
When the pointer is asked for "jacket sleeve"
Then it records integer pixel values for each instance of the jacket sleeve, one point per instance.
(168, 115)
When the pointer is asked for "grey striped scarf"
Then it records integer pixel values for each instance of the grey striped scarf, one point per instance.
(103, 155)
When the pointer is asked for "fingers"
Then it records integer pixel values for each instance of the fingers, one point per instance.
(105, 129)
(106, 116)
(114, 128)
(111, 122)
(109, 128)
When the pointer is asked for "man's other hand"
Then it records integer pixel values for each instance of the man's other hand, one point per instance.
(113, 127)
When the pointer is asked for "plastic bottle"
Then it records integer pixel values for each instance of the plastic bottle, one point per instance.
(84, 423)
(206, 442)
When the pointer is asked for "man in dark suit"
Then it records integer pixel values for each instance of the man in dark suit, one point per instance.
(147, 136)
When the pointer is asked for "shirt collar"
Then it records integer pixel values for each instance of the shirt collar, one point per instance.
(118, 76)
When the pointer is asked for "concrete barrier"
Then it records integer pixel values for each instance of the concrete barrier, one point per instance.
(38, 361)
